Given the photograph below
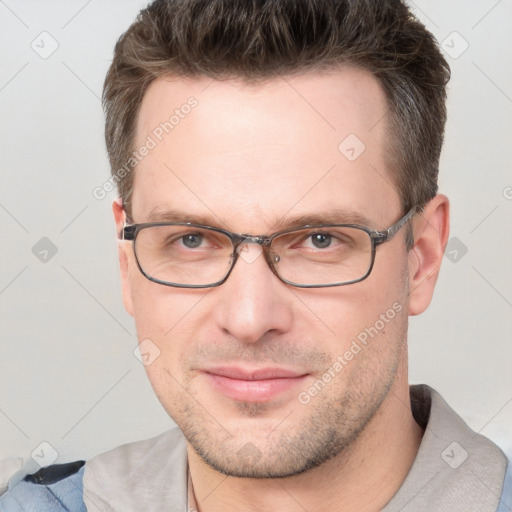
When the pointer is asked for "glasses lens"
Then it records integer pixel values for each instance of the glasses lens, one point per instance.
(183, 255)
(322, 256)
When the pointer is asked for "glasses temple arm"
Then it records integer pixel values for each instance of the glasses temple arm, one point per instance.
(388, 234)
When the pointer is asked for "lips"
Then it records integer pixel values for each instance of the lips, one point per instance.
(253, 384)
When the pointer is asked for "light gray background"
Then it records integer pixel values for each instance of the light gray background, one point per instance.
(68, 375)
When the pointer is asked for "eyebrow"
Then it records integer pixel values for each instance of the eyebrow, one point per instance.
(157, 215)
(333, 216)
(336, 216)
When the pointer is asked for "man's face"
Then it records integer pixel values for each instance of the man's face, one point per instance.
(239, 364)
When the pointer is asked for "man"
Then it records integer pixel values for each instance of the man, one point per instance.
(278, 223)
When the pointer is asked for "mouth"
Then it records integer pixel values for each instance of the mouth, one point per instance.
(253, 384)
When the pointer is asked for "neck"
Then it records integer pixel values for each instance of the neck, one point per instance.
(364, 477)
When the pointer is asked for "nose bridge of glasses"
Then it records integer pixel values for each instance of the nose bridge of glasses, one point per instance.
(241, 247)
(260, 240)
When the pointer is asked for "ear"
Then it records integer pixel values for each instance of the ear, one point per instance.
(431, 228)
(124, 253)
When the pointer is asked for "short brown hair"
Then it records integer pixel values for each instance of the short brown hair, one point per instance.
(263, 39)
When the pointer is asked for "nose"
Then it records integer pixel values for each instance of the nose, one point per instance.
(253, 301)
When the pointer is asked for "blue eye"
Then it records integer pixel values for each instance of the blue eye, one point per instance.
(192, 240)
(321, 240)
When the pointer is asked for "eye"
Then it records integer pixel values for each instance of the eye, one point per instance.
(321, 240)
(192, 240)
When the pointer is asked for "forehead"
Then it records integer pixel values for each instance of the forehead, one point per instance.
(246, 154)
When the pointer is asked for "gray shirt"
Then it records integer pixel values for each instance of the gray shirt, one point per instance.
(455, 469)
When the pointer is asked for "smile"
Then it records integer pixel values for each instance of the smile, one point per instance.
(253, 385)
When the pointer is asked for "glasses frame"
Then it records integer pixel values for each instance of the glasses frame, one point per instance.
(130, 232)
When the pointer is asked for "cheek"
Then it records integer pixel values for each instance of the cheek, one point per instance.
(170, 318)
(164, 336)
(351, 311)
(156, 307)
(389, 280)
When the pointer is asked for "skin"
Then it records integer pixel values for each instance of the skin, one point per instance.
(249, 158)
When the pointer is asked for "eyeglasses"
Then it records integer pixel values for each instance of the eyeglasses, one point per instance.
(187, 255)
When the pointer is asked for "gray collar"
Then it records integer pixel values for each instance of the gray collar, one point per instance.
(148, 475)
(455, 470)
